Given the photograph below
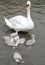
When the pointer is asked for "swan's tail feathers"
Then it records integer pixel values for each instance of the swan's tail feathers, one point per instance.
(8, 23)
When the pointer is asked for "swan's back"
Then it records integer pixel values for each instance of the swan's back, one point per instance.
(19, 23)
(18, 20)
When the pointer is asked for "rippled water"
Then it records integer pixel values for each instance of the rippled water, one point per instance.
(32, 55)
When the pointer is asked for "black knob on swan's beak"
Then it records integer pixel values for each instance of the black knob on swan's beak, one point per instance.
(27, 5)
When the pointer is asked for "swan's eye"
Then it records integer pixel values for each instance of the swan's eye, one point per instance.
(27, 5)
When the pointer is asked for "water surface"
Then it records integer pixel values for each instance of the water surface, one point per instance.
(32, 55)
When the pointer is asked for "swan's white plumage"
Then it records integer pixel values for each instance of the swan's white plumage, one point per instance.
(21, 23)
(8, 23)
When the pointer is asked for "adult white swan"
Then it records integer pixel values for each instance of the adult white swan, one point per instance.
(21, 23)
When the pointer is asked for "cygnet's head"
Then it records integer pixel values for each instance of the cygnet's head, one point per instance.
(33, 36)
(28, 5)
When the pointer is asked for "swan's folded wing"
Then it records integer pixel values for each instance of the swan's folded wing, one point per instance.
(18, 20)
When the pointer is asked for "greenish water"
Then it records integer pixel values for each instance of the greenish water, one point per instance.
(32, 55)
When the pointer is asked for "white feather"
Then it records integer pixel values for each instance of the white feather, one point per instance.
(21, 23)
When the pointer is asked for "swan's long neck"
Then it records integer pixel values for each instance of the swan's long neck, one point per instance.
(28, 14)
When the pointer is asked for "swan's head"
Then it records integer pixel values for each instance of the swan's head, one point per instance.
(28, 5)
